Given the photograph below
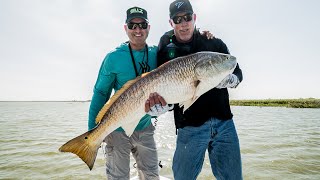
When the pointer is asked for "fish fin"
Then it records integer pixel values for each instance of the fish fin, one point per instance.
(83, 147)
(201, 88)
(144, 74)
(189, 102)
(129, 127)
(108, 104)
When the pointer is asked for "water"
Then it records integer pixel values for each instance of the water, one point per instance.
(276, 143)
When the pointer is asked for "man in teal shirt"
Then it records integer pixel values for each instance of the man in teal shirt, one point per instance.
(125, 63)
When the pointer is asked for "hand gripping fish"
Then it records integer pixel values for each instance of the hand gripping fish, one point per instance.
(181, 80)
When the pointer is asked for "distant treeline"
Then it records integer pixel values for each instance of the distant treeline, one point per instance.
(291, 103)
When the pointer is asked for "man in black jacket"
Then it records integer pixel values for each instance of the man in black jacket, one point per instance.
(208, 123)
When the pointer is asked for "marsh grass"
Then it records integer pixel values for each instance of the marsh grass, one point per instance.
(290, 103)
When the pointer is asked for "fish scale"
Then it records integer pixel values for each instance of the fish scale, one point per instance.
(181, 80)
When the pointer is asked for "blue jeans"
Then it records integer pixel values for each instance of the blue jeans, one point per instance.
(220, 138)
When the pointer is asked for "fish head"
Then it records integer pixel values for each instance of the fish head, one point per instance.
(213, 64)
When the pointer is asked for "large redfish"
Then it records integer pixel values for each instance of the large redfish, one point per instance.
(181, 80)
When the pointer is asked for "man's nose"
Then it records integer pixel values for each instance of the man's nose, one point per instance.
(184, 22)
(138, 29)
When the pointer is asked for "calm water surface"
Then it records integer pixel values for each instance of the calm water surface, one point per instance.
(276, 143)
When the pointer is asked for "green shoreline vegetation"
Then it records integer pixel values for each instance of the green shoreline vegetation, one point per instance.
(290, 103)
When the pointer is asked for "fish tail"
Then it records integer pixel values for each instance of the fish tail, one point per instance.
(83, 147)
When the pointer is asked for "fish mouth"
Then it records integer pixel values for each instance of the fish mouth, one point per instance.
(233, 61)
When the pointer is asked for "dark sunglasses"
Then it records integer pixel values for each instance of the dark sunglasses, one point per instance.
(143, 25)
(178, 19)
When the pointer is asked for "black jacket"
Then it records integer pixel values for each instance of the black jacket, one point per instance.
(214, 103)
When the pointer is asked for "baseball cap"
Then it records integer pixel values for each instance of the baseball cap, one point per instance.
(179, 6)
(136, 12)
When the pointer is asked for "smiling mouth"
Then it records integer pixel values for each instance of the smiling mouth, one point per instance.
(137, 35)
(184, 31)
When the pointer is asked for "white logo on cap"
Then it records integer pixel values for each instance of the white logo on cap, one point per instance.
(179, 4)
(136, 10)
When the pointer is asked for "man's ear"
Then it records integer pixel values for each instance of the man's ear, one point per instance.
(194, 17)
(171, 23)
(125, 27)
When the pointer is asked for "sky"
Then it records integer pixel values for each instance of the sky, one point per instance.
(53, 49)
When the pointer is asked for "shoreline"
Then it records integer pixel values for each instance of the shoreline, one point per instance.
(289, 103)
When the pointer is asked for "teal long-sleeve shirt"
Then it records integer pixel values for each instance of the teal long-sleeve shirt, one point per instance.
(116, 69)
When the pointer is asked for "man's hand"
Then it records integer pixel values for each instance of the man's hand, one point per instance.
(208, 34)
(156, 105)
(231, 81)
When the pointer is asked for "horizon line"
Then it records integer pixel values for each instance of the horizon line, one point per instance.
(90, 100)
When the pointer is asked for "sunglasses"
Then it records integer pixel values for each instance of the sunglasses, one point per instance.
(143, 25)
(178, 19)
